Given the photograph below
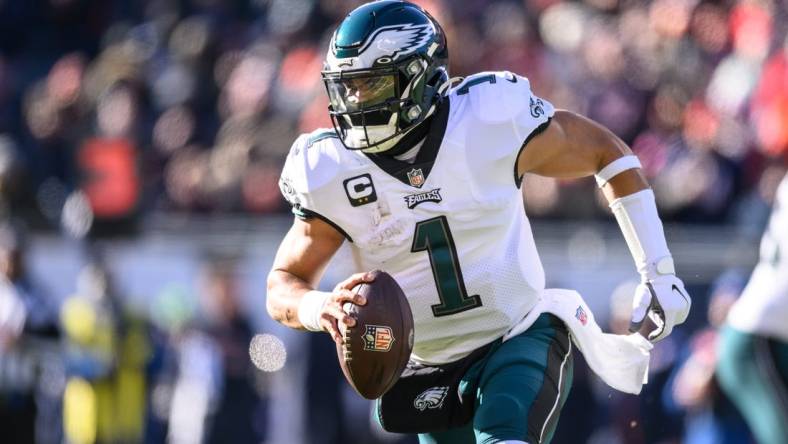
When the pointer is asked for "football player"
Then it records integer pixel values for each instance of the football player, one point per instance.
(753, 364)
(421, 174)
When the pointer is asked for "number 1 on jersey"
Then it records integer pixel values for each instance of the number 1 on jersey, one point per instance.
(433, 235)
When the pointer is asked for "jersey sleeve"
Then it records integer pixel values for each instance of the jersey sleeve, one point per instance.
(292, 181)
(309, 171)
(507, 114)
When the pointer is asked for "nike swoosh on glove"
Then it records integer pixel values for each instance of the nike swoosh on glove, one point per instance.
(666, 303)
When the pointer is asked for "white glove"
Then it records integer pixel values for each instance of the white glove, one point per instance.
(666, 303)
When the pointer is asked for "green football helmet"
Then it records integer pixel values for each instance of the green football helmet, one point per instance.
(385, 72)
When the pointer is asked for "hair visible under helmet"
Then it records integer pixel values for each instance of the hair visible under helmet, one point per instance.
(384, 72)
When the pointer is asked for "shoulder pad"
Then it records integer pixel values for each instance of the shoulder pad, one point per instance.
(496, 96)
(319, 135)
(314, 160)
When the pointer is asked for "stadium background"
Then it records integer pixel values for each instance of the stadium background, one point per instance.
(140, 146)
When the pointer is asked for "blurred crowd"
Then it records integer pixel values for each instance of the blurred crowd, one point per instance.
(93, 369)
(112, 109)
(128, 107)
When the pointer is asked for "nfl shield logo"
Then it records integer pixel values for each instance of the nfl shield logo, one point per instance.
(581, 316)
(377, 338)
(416, 177)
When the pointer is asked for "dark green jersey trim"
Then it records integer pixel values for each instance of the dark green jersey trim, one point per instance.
(518, 180)
(304, 214)
(314, 138)
(427, 154)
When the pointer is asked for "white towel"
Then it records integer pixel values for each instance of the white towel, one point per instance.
(620, 360)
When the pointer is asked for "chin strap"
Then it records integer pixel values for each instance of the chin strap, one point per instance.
(384, 147)
(443, 90)
(410, 139)
(401, 144)
(405, 141)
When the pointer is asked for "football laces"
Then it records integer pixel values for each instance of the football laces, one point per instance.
(346, 353)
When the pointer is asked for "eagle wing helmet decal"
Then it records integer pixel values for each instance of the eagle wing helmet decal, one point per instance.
(398, 40)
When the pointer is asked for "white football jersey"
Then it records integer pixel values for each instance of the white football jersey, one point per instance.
(449, 227)
(763, 305)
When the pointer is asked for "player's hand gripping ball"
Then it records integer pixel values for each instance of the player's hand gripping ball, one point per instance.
(375, 351)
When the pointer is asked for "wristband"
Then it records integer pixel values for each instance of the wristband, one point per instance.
(310, 307)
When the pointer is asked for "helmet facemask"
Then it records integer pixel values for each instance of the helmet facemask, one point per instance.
(372, 108)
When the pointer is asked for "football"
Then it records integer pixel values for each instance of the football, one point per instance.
(376, 350)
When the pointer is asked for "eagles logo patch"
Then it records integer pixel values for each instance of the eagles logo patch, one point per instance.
(377, 338)
(537, 108)
(287, 188)
(432, 398)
